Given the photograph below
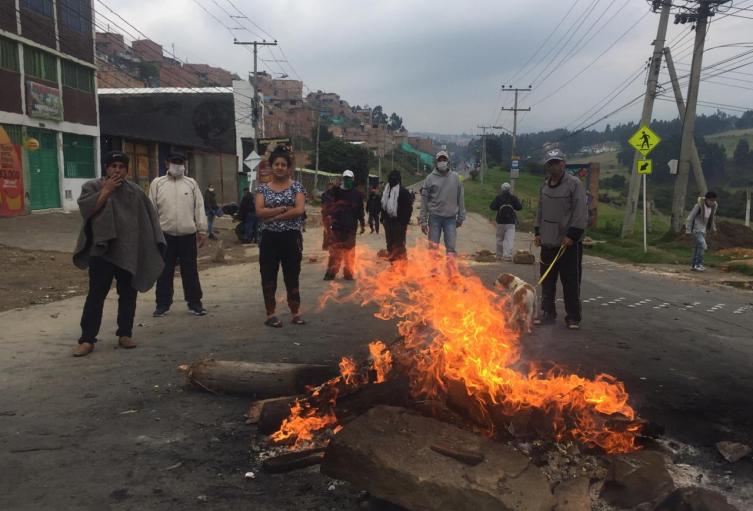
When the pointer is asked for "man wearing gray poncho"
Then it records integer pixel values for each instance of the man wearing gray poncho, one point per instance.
(120, 238)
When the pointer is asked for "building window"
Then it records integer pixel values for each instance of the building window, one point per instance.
(78, 154)
(40, 64)
(76, 15)
(77, 77)
(41, 6)
(8, 54)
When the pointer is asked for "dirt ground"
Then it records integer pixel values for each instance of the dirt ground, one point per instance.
(44, 276)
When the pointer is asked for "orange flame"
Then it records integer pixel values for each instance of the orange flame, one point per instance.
(455, 335)
(381, 360)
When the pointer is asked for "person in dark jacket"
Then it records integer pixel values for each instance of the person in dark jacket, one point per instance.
(247, 216)
(559, 228)
(397, 208)
(211, 209)
(374, 208)
(344, 212)
(505, 204)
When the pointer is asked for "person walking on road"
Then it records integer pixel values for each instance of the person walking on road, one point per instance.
(120, 238)
(505, 204)
(397, 208)
(280, 205)
(559, 227)
(345, 212)
(702, 218)
(374, 208)
(212, 210)
(248, 219)
(180, 206)
(442, 204)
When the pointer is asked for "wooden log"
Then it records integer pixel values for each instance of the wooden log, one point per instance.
(293, 461)
(387, 452)
(273, 412)
(261, 379)
(254, 414)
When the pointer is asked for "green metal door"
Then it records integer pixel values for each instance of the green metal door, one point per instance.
(43, 170)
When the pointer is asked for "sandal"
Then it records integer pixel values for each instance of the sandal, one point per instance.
(297, 320)
(273, 322)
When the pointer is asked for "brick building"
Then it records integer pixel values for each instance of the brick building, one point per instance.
(49, 125)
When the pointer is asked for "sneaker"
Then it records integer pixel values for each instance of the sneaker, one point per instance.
(197, 310)
(329, 276)
(545, 319)
(700, 267)
(161, 312)
(572, 325)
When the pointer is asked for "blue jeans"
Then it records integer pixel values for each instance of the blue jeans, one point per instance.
(447, 224)
(700, 248)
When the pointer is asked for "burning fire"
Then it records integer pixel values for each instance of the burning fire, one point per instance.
(458, 349)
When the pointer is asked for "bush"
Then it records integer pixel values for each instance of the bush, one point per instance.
(615, 182)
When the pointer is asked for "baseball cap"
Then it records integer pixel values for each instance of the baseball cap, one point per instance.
(176, 156)
(442, 153)
(115, 156)
(554, 154)
(348, 173)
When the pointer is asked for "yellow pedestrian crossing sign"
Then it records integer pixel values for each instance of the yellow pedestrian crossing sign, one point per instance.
(644, 140)
(645, 166)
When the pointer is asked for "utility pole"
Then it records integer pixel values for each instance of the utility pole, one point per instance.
(631, 205)
(701, 18)
(255, 110)
(514, 110)
(695, 159)
(483, 147)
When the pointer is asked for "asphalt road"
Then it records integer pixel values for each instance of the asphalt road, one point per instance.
(118, 430)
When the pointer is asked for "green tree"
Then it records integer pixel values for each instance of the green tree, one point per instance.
(378, 116)
(396, 122)
(337, 155)
(742, 155)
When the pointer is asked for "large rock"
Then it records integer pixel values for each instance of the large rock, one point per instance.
(573, 495)
(733, 451)
(695, 499)
(387, 451)
(636, 478)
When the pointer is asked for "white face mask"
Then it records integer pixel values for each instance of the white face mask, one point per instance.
(442, 166)
(176, 170)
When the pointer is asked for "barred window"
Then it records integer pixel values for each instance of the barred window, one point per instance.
(77, 77)
(78, 155)
(8, 54)
(40, 64)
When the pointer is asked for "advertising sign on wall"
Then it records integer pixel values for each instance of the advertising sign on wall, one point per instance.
(266, 146)
(11, 177)
(43, 102)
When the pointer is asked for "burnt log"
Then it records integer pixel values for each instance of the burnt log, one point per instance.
(293, 461)
(261, 379)
(273, 412)
(395, 392)
(254, 414)
(387, 451)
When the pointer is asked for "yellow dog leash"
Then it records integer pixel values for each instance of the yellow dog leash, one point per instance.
(561, 251)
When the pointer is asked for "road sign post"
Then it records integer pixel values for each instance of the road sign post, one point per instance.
(644, 141)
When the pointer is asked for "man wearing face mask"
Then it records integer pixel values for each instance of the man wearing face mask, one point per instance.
(344, 211)
(397, 208)
(180, 205)
(211, 209)
(442, 204)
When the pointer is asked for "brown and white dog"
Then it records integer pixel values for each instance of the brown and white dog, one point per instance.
(522, 301)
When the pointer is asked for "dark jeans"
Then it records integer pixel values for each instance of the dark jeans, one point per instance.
(281, 249)
(395, 233)
(180, 250)
(342, 252)
(374, 222)
(101, 274)
(250, 226)
(569, 269)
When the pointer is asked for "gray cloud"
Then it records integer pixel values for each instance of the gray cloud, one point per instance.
(438, 63)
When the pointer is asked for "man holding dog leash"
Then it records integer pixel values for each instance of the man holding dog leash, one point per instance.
(560, 224)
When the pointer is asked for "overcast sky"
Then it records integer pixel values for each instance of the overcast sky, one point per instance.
(440, 64)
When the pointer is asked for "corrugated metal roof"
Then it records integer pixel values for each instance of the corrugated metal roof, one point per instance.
(167, 90)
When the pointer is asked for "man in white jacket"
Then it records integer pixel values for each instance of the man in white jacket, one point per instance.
(180, 206)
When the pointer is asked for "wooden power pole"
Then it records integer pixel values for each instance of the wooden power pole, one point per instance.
(514, 110)
(483, 147)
